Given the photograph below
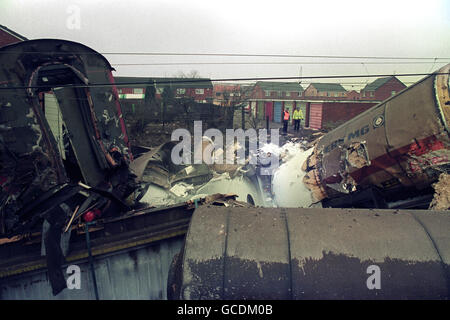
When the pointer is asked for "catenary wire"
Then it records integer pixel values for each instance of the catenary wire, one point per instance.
(201, 54)
(184, 81)
(265, 62)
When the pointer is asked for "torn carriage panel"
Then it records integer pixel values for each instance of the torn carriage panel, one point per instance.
(60, 122)
(400, 143)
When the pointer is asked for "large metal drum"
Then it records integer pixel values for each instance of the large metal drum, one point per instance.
(262, 253)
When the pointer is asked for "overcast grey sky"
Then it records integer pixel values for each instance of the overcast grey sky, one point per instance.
(390, 28)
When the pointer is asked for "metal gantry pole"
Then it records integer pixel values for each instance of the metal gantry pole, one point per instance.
(91, 259)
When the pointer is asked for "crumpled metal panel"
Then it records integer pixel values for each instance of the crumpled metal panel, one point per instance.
(405, 139)
(262, 253)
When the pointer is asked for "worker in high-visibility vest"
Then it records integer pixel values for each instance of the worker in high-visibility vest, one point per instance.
(285, 120)
(298, 117)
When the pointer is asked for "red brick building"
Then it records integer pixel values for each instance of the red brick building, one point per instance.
(381, 89)
(200, 90)
(8, 36)
(225, 94)
(269, 99)
(277, 90)
(353, 95)
(326, 91)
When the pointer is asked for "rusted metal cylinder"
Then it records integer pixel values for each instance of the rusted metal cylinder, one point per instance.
(400, 143)
(262, 253)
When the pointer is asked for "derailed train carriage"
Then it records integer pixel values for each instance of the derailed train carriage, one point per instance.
(42, 160)
(388, 156)
(228, 252)
(61, 124)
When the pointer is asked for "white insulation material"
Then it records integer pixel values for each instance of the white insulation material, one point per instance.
(287, 183)
(288, 189)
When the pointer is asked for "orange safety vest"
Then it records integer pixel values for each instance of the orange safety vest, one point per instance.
(286, 115)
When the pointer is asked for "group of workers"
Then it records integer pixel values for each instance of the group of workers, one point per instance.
(297, 116)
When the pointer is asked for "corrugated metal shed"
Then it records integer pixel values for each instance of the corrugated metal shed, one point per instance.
(277, 111)
(137, 274)
(269, 110)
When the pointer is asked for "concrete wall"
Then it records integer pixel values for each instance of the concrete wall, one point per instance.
(135, 274)
(337, 113)
(326, 115)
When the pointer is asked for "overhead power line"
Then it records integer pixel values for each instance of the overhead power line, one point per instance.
(201, 54)
(264, 62)
(303, 83)
(270, 55)
(203, 80)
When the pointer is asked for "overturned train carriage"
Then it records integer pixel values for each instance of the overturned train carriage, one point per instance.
(60, 124)
(394, 150)
(64, 148)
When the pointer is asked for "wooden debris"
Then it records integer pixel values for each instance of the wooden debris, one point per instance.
(71, 218)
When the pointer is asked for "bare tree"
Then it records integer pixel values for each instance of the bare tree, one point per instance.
(193, 74)
(237, 97)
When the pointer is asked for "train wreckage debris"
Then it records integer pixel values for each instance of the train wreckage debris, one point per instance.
(67, 172)
(399, 146)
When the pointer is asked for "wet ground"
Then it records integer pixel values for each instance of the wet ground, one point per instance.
(155, 134)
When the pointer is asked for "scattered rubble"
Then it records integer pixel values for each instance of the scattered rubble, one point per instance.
(288, 186)
(357, 155)
(50, 189)
(441, 199)
(167, 183)
(387, 153)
